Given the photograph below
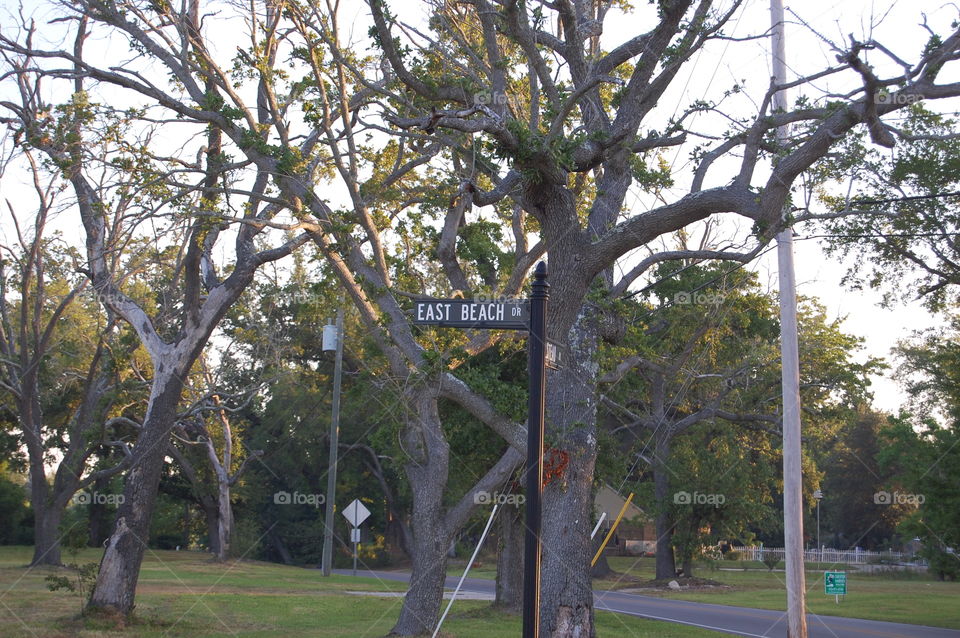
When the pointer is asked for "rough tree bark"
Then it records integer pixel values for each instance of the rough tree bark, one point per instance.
(666, 567)
(427, 473)
(120, 565)
(509, 594)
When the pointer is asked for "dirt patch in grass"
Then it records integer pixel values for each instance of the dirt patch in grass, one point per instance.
(617, 580)
(686, 584)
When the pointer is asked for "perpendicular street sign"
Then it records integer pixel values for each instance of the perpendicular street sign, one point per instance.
(835, 583)
(356, 513)
(556, 355)
(503, 314)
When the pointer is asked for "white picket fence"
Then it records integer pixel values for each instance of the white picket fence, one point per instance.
(854, 556)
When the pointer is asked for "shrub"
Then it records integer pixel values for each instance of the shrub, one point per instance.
(16, 518)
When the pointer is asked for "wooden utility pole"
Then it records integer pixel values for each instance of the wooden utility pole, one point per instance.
(327, 556)
(790, 361)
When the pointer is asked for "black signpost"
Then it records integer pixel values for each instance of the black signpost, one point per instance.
(514, 314)
(536, 352)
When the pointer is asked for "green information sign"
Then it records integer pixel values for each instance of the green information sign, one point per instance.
(835, 583)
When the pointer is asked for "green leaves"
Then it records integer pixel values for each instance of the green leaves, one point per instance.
(903, 235)
(708, 338)
(926, 460)
(651, 176)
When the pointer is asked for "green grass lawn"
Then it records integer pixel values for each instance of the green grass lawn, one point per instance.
(184, 594)
(894, 597)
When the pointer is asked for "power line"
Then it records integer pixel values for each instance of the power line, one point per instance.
(907, 198)
(653, 284)
(701, 286)
(883, 235)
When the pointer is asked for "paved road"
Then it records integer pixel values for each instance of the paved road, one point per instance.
(740, 621)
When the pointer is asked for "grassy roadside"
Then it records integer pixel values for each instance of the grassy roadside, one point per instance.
(183, 594)
(892, 596)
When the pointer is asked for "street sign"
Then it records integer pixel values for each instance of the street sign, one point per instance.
(835, 583)
(355, 535)
(556, 355)
(356, 513)
(505, 314)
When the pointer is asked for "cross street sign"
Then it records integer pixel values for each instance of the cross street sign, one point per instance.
(835, 583)
(504, 314)
(356, 513)
(556, 355)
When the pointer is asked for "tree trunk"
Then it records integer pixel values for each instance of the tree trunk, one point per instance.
(421, 605)
(187, 524)
(46, 532)
(510, 560)
(221, 469)
(46, 515)
(212, 515)
(427, 474)
(97, 527)
(688, 567)
(665, 564)
(602, 568)
(566, 598)
(116, 584)
(225, 522)
(278, 545)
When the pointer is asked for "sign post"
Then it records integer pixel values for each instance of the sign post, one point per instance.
(536, 348)
(514, 314)
(356, 512)
(835, 584)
